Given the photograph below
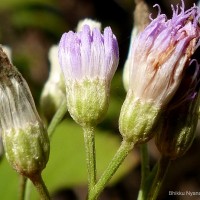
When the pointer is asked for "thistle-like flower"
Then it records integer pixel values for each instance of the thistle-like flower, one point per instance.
(24, 137)
(178, 124)
(159, 57)
(160, 54)
(88, 60)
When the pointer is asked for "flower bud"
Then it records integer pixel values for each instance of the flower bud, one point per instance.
(88, 60)
(91, 23)
(159, 57)
(24, 137)
(178, 125)
(54, 90)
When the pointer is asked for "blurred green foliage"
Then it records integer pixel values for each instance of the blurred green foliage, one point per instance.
(5, 4)
(40, 14)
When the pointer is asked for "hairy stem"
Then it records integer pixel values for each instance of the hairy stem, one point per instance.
(144, 171)
(117, 160)
(41, 187)
(89, 139)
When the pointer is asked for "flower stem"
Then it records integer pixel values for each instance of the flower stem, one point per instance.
(144, 170)
(27, 190)
(163, 166)
(41, 187)
(117, 160)
(23, 181)
(89, 139)
(57, 117)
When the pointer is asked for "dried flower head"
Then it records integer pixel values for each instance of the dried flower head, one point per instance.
(24, 137)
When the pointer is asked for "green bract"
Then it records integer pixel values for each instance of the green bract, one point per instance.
(137, 119)
(27, 150)
(87, 101)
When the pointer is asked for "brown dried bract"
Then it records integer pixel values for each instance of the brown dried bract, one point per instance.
(7, 70)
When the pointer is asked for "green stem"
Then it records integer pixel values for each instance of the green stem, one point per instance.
(163, 166)
(117, 160)
(27, 190)
(41, 187)
(23, 181)
(89, 139)
(60, 113)
(145, 169)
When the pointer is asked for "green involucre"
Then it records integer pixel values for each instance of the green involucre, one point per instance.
(137, 119)
(87, 101)
(27, 149)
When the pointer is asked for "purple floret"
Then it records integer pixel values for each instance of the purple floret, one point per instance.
(88, 54)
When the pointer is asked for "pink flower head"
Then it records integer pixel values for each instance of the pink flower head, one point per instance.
(161, 53)
(88, 54)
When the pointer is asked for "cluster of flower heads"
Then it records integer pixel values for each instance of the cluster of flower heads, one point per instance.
(161, 73)
(158, 58)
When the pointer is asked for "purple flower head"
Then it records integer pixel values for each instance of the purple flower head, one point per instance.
(88, 54)
(161, 53)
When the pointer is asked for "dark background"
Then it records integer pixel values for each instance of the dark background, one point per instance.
(31, 27)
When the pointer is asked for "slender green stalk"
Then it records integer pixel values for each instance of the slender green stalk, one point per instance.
(23, 181)
(41, 187)
(27, 190)
(89, 139)
(57, 117)
(117, 160)
(145, 170)
(159, 178)
(148, 183)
